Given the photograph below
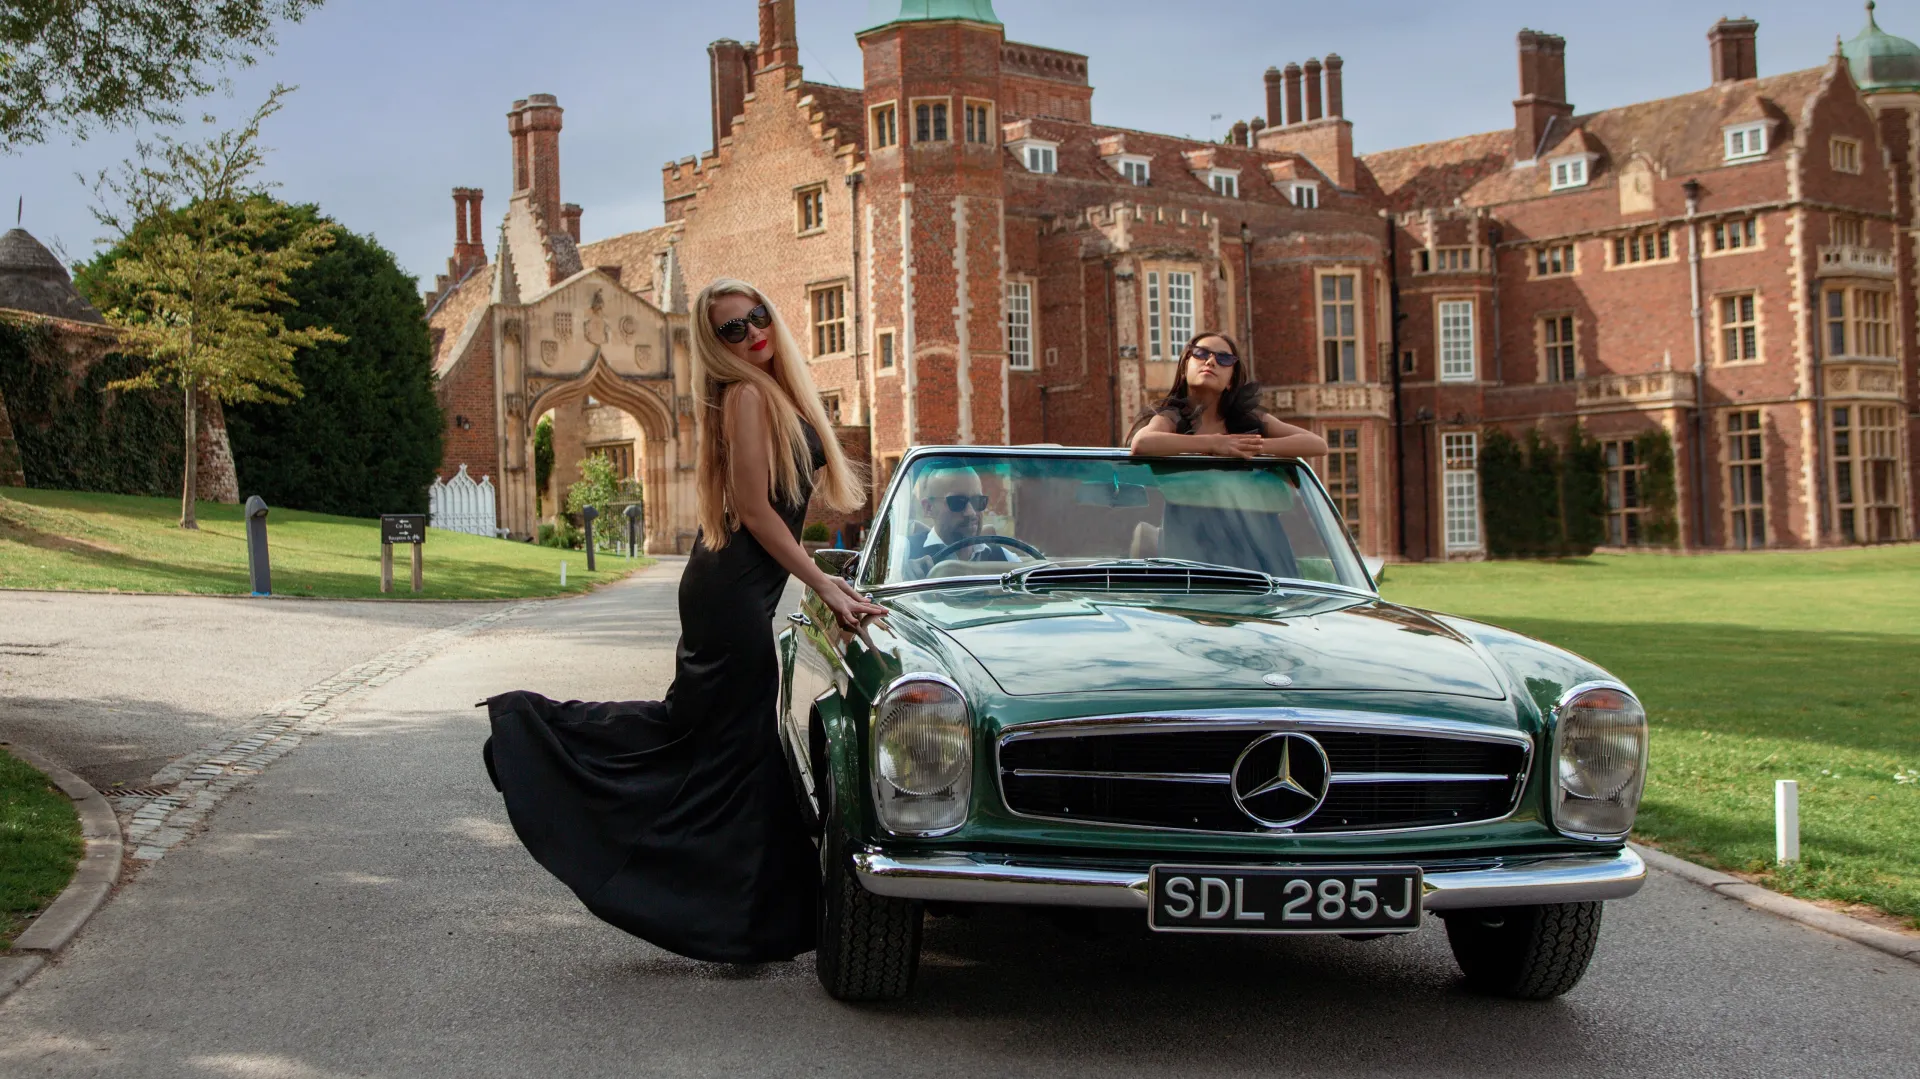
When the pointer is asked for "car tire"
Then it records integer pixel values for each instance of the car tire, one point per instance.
(869, 946)
(1526, 953)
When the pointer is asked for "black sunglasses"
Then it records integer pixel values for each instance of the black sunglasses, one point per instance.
(1224, 359)
(734, 330)
(957, 503)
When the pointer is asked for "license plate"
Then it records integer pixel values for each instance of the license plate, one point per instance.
(1332, 899)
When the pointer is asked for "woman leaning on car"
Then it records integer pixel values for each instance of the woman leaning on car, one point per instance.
(1214, 409)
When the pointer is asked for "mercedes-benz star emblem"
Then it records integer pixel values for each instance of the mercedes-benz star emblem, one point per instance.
(1278, 680)
(1281, 779)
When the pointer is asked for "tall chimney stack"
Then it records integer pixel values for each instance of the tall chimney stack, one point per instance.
(1334, 64)
(571, 214)
(1237, 135)
(1734, 50)
(459, 219)
(536, 132)
(779, 44)
(1292, 75)
(474, 234)
(1275, 117)
(730, 70)
(1543, 92)
(1313, 90)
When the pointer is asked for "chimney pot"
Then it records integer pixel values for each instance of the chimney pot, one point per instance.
(1313, 90)
(570, 213)
(1238, 135)
(1543, 92)
(1732, 47)
(1292, 75)
(1275, 116)
(1334, 64)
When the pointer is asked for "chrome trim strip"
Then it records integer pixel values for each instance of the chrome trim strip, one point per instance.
(1150, 777)
(1506, 882)
(1420, 777)
(1264, 720)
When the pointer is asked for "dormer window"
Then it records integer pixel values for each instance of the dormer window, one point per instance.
(1568, 172)
(1038, 155)
(1135, 167)
(1302, 193)
(1746, 141)
(1222, 181)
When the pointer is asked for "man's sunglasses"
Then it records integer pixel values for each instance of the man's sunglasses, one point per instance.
(1223, 359)
(734, 330)
(959, 503)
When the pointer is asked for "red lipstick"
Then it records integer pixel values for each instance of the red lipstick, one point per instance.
(757, 345)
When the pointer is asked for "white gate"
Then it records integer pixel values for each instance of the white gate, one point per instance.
(462, 505)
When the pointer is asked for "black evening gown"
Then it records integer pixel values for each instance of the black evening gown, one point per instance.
(676, 820)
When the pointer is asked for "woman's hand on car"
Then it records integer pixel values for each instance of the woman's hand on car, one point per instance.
(1233, 445)
(849, 607)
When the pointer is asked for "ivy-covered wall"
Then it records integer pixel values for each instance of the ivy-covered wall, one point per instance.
(1542, 501)
(74, 434)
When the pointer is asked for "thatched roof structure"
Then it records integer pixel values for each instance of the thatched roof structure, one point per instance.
(32, 280)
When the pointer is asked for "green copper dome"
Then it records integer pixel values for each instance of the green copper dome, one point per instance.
(888, 12)
(1881, 61)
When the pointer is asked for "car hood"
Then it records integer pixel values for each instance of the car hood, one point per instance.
(1081, 643)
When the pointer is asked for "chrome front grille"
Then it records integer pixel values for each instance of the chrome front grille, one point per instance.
(1382, 773)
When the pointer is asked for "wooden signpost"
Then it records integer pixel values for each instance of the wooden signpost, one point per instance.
(407, 528)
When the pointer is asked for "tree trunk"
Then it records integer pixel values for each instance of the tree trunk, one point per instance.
(192, 426)
(215, 473)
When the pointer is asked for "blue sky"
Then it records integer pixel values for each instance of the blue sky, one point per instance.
(401, 100)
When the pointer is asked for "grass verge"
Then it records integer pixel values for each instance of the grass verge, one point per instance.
(39, 844)
(1753, 667)
(76, 540)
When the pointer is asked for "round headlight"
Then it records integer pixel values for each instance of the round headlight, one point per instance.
(1601, 762)
(923, 740)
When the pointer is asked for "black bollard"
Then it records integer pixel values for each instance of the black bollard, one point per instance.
(258, 571)
(590, 514)
(633, 530)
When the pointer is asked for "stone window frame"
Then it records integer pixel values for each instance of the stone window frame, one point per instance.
(1738, 141)
(1748, 320)
(1734, 235)
(1156, 297)
(1630, 249)
(1874, 457)
(886, 351)
(1565, 256)
(1544, 347)
(1135, 169)
(817, 190)
(1359, 328)
(1569, 172)
(1440, 304)
(1346, 457)
(1024, 149)
(1219, 179)
(989, 133)
(1451, 258)
(883, 125)
(1457, 485)
(830, 404)
(1624, 480)
(940, 121)
(1032, 326)
(1301, 194)
(1843, 154)
(1853, 325)
(821, 333)
(1846, 230)
(1737, 440)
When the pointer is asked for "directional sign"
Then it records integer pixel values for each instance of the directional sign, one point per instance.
(403, 528)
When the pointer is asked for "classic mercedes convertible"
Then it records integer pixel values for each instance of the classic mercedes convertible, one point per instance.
(1170, 686)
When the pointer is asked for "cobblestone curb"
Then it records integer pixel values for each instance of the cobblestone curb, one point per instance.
(1785, 906)
(203, 778)
(92, 881)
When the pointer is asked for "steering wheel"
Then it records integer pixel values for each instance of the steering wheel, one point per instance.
(974, 541)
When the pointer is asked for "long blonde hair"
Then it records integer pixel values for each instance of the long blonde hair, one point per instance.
(789, 396)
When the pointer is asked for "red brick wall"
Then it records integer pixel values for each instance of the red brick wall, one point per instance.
(467, 390)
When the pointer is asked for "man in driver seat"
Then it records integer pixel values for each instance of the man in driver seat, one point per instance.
(952, 500)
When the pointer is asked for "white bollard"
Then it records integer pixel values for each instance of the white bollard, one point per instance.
(563, 573)
(1786, 820)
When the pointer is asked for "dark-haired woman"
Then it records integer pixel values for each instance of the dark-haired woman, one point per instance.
(1214, 409)
(675, 820)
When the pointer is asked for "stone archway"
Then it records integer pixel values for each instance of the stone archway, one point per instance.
(660, 477)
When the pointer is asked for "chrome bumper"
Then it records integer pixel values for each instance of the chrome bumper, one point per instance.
(1503, 882)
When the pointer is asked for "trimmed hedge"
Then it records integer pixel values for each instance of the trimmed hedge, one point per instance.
(78, 435)
(1542, 502)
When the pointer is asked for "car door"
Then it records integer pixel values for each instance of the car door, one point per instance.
(811, 661)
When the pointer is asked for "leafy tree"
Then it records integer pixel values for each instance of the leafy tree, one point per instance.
(197, 291)
(1654, 448)
(1583, 490)
(1543, 531)
(72, 63)
(1505, 491)
(365, 436)
(600, 486)
(542, 461)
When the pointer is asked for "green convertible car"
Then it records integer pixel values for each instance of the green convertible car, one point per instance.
(1170, 686)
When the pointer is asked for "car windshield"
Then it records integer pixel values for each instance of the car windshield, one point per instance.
(985, 514)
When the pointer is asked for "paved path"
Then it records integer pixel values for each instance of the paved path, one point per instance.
(363, 909)
(114, 687)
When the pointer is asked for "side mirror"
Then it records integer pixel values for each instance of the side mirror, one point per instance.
(837, 562)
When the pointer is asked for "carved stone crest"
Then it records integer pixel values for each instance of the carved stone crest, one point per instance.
(595, 327)
(549, 352)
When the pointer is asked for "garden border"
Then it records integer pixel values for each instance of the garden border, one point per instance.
(1784, 906)
(92, 882)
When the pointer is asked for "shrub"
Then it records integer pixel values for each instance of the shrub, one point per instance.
(600, 486)
(1654, 448)
(1583, 493)
(814, 533)
(82, 436)
(564, 535)
(542, 463)
(1541, 502)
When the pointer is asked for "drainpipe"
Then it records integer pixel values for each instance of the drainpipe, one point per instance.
(853, 301)
(1493, 278)
(1113, 364)
(1697, 459)
(1246, 286)
(1823, 523)
(1393, 365)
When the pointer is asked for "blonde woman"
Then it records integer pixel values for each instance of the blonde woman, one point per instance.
(676, 820)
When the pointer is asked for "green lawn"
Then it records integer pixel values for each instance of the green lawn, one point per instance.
(39, 844)
(1753, 667)
(64, 539)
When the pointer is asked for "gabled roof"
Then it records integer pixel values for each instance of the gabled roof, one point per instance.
(637, 255)
(1678, 134)
(1576, 141)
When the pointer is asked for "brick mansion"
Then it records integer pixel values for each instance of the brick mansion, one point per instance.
(971, 258)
